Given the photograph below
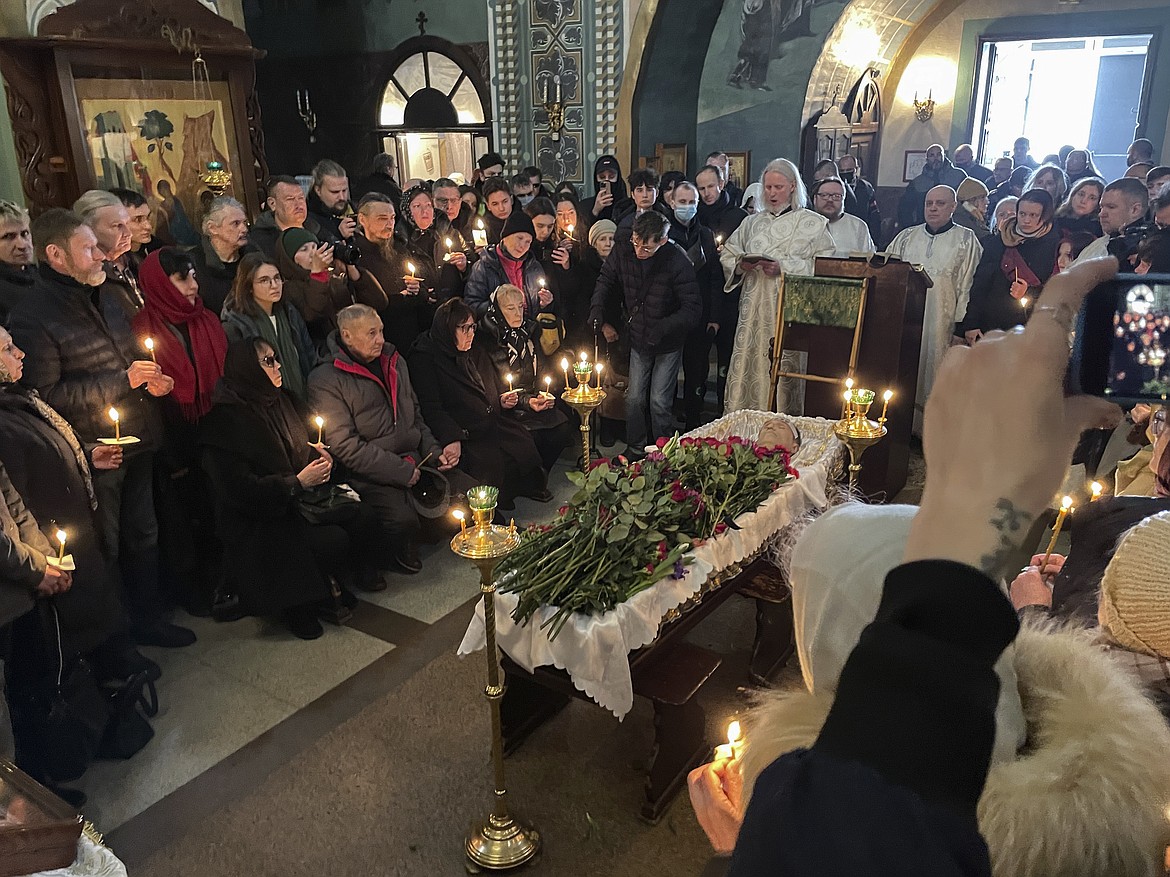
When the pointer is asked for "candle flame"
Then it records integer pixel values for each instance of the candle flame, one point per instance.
(734, 733)
(114, 415)
(597, 368)
(149, 342)
(718, 238)
(849, 383)
(547, 381)
(584, 356)
(448, 242)
(508, 377)
(887, 395)
(541, 281)
(1066, 503)
(570, 228)
(1024, 302)
(61, 536)
(458, 514)
(1096, 487)
(319, 421)
(410, 267)
(479, 224)
(847, 395)
(564, 362)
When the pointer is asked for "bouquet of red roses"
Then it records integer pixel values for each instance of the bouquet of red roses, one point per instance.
(630, 524)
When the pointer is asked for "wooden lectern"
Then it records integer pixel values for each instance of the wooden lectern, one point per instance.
(891, 341)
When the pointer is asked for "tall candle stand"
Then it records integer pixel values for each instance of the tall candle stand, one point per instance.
(584, 398)
(501, 842)
(857, 431)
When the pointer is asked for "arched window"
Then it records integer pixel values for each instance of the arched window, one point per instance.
(432, 114)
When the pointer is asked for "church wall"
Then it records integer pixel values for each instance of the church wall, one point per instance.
(947, 57)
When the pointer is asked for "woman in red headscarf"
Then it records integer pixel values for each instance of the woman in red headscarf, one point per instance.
(189, 344)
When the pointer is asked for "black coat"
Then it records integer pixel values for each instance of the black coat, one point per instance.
(698, 242)
(14, 285)
(528, 373)
(462, 404)
(266, 555)
(723, 217)
(991, 305)
(404, 316)
(660, 296)
(76, 357)
(864, 206)
(44, 471)
(329, 223)
(376, 183)
(214, 275)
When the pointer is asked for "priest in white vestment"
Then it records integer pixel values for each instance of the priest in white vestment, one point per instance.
(949, 253)
(849, 233)
(791, 237)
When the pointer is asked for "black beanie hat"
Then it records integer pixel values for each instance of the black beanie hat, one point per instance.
(490, 159)
(517, 222)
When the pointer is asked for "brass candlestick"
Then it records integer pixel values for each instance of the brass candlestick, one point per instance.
(857, 431)
(584, 399)
(501, 842)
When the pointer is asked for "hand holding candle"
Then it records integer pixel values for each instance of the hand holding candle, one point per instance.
(479, 235)
(732, 749)
(1066, 507)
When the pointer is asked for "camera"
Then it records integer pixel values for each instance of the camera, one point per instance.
(1122, 335)
(347, 251)
(1126, 244)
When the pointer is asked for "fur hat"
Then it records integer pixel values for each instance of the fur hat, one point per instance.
(1135, 590)
(970, 189)
(518, 222)
(490, 159)
(602, 226)
(294, 238)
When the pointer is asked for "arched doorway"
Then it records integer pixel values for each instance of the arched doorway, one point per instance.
(434, 114)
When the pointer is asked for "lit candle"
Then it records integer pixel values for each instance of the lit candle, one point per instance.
(584, 356)
(508, 377)
(570, 230)
(1096, 487)
(479, 234)
(1065, 508)
(847, 408)
(447, 255)
(1024, 302)
(462, 519)
(734, 745)
(848, 397)
(548, 386)
(541, 282)
(61, 550)
(149, 345)
(718, 240)
(565, 369)
(597, 368)
(320, 421)
(410, 268)
(117, 426)
(886, 397)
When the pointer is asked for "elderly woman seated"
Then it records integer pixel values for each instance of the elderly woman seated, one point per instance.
(463, 402)
(287, 536)
(512, 343)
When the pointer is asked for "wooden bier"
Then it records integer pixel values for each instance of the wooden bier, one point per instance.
(891, 340)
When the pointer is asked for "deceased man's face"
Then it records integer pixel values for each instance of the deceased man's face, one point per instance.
(778, 433)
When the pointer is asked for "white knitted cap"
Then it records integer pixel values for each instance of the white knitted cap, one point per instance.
(1135, 590)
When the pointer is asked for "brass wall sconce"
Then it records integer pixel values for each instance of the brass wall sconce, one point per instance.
(924, 109)
(305, 111)
(555, 108)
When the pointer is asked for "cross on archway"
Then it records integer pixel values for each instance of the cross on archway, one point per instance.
(422, 23)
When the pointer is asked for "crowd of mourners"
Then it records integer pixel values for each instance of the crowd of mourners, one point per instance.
(266, 423)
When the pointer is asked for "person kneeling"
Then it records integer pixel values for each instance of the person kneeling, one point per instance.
(376, 429)
(256, 451)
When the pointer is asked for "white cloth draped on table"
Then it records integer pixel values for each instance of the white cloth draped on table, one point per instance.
(950, 258)
(594, 649)
(794, 238)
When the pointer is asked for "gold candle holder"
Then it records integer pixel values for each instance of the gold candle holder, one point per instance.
(500, 842)
(584, 399)
(857, 431)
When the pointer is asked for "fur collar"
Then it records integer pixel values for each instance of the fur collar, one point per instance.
(1086, 796)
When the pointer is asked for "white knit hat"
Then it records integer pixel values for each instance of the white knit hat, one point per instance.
(838, 569)
(1135, 590)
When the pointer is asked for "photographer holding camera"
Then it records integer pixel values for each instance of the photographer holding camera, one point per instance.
(1123, 221)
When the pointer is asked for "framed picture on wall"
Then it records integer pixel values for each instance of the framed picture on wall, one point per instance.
(739, 168)
(671, 157)
(912, 164)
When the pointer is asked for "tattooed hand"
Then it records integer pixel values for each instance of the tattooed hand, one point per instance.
(999, 432)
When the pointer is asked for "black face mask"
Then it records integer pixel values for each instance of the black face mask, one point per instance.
(848, 176)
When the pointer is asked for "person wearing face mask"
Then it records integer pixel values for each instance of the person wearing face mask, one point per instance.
(522, 189)
(513, 345)
(697, 241)
(864, 202)
(1015, 264)
(788, 237)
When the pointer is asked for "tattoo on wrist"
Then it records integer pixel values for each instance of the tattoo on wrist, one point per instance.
(1008, 523)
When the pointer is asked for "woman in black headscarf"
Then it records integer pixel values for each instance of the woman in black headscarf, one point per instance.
(463, 400)
(263, 466)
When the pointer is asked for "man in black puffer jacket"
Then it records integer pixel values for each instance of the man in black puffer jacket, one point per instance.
(655, 281)
(82, 357)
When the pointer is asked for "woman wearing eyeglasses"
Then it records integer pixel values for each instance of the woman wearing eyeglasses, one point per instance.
(1147, 473)
(463, 399)
(256, 308)
(261, 461)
